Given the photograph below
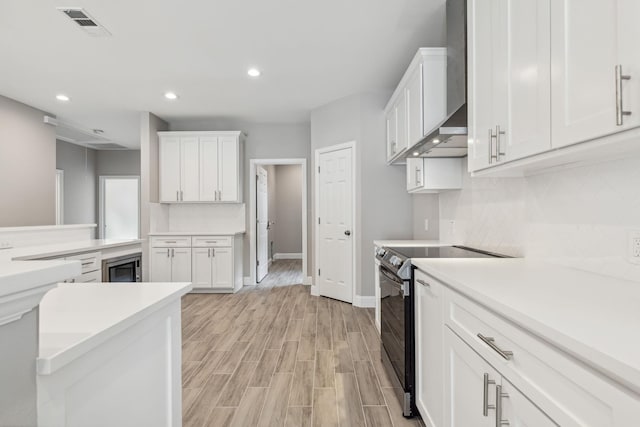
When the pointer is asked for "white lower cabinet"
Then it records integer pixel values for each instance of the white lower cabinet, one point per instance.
(170, 264)
(212, 268)
(429, 350)
(475, 368)
(477, 395)
(211, 263)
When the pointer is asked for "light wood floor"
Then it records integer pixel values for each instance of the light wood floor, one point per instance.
(277, 356)
(284, 272)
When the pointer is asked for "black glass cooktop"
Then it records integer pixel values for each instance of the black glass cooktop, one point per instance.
(443, 252)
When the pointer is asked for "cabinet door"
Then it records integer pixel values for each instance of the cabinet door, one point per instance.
(429, 350)
(414, 173)
(209, 169)
(413, 93)
(401, 123)
(519, 411)
(392, 134)
(222, 268)
(584, 59)
(522, 76)
(169, 152)
(229, 173)
(160, 270)
(201, 267)
(465, 390)
(181, 264)
(480, 39)
(190, 167)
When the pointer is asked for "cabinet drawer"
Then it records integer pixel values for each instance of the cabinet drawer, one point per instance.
(90, 277)
(171, 242)
(568, 391)
(90, 261)
(211, 241)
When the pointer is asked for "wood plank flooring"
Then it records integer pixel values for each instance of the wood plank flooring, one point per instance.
(277, 356)
(284, 272)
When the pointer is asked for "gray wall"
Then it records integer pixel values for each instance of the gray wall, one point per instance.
(27, 166)
(118, 162)
(149, 145)
(18, 393)
(80, 182)
(360, 118)
(263, 141)
(288, 205)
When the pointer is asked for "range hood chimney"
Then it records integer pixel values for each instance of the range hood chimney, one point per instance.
(449, 138)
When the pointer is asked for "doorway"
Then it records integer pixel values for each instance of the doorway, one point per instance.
(335, 225)
(119, 207)
(278, 222)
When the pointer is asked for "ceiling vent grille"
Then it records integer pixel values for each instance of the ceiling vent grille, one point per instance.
(106, 146)
(85, 21)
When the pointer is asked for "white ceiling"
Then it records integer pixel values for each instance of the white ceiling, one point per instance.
(310, 53)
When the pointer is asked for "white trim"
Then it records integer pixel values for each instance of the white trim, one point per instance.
(246, 281)
(287, 256)
(101, 201)
(252, 209)
(354, 228)
(314, 291)
(367, 301)
(59, 196)
(308, 281)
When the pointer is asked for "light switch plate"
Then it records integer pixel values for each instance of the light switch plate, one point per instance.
(633, 244)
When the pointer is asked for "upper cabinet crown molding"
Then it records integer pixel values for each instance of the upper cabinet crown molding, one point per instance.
(538, 96)
(201, 167)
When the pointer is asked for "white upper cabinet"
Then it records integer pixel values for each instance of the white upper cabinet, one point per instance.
(509, 80)
(200, 167)
(433, 175)
(418, 104)
(594, 46)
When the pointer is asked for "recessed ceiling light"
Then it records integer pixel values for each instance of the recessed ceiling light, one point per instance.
(436, 141)
(170, 95)
(253, 72)
(415, 153)
(62, 97)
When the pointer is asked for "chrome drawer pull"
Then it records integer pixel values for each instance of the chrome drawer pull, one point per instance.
(620, 112)
(506, 354)
(88, 263)
(499, 396)
(422, 282)
(485, 396)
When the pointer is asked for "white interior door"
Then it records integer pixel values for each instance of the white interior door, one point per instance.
(120, 207)
(262, 222)
(335, 208)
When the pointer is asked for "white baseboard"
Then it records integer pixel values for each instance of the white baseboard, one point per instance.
(287, 256)
(308, 281)
(314, 291)
(364, 301)
(246, 281)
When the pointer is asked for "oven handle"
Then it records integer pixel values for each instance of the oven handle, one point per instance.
(389, 275)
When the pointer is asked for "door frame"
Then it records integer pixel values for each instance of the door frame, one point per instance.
(101, 202)
(251, 280)
(315, 290)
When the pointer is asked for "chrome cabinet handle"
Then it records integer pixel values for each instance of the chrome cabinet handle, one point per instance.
(422, 282)
(213, 252)
(498, 151)
(173, 253)
(485, 395)
(211, 241)
(87, 263)
(181, 196)
(208, 253)
(168, 251)
(507, 355)
(178, 195)
(393, 147)
(170, 241)
(620, 113)
(492, 157)
(418, 177)
(499, 396)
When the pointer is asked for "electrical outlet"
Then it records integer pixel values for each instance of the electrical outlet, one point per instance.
(426, 224)
(634, 246)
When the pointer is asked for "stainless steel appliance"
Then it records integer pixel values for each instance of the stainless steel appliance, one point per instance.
(122, 269)
(397, 327)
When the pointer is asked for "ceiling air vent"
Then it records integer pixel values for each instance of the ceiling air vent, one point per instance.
(106, 146)
(85, 21)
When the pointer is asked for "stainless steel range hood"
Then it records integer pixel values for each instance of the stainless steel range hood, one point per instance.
(449, 138)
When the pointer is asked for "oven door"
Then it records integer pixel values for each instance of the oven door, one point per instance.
(392, 321)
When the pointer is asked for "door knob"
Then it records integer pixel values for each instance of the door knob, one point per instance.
(347, 233)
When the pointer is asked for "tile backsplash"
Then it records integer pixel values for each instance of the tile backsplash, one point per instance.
(578, 216)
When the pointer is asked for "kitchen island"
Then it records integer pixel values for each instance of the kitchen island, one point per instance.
(110, 355)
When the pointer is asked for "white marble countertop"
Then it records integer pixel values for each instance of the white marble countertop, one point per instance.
(595, 318)
(410, 243)
(197, 233)
(61, 249)
(76, 318)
